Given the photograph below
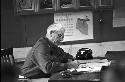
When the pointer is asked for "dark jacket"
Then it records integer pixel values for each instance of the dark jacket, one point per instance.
(45, 57)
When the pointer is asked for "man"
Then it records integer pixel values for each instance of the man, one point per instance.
(45, 57)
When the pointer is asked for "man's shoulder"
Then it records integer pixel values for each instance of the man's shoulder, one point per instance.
(42, 40)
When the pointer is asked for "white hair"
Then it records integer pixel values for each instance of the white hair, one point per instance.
(55, 27)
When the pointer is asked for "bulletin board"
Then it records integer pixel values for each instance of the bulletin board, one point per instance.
(78, 25)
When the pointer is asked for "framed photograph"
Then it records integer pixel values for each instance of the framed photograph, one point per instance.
(85, 3)
(66, 3)
(104, 2)
(25, 5)
(43, 5)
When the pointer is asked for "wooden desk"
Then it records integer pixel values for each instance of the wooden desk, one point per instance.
(84, 76)
(87, 77)
(71, 81)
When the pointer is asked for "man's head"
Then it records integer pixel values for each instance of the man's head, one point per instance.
(55, 33)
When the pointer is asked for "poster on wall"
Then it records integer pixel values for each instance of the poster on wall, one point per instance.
(119, 13)
(78, 25)
(118, 19)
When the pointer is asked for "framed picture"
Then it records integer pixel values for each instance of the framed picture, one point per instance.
(66, 3)
(45, 5)
(104, 2)
(85, 3)
(25, 5)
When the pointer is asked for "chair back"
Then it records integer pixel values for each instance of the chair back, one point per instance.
(7, 56)
(115, 55)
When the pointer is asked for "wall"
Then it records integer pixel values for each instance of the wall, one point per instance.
(11, 31)
(20, 31)
(35, 26)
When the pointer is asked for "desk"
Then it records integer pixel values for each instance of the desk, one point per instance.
(93, 76)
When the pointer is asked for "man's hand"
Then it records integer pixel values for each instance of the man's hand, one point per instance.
(73, 64)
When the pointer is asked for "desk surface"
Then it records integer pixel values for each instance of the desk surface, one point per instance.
(91, 76)
(83, 76)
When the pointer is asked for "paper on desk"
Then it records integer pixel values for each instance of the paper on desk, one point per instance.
(97, 64)
(93, 60)
(81, 69)
(87, 69)
(92, 67)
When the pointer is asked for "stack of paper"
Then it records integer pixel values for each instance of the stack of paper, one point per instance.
(94, 66)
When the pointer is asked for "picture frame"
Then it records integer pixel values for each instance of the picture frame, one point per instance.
(104, 2)
(66, 4)
(45, 5)
(24, 5)
(83, 3)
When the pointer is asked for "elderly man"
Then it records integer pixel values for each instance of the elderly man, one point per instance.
(45, 57)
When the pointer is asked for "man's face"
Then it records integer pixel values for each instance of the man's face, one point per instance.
(57, 37)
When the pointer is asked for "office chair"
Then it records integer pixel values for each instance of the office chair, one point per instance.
(8, 58)
(115, 55)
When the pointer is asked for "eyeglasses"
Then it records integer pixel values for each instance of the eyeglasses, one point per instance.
(60, 35)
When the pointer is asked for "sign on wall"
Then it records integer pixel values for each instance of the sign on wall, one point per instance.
(118, 18)
(78, 25)
(119, 13)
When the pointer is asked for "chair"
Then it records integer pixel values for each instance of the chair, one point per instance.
(115, 55)
(7, 56)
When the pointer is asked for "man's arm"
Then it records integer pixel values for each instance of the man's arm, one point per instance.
(54, 67)
(50, 66)
(64, 55)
